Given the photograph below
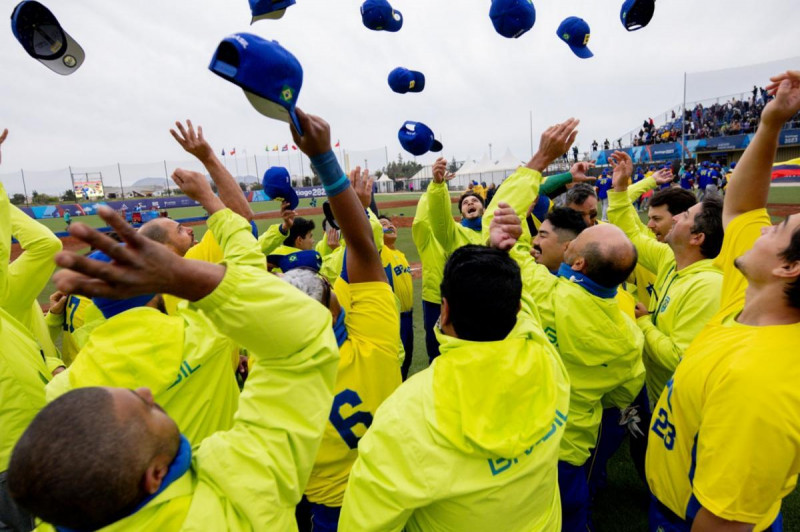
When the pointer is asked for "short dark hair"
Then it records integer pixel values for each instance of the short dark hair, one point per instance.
(579, 194)
(300, 228)
(792, 254)
(606, 266)
(481, 311)
(709, 222)
(567, 221)
(154, 231)
(78, 465)
(676, 199)
(384, 217)
(466, 195)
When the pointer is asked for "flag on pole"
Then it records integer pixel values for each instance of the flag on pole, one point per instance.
(233, 151)
(294, 147)
(787, 170)
(266, 148)
(275, 148)
(337, 144)
(223, 152)
(285, 147)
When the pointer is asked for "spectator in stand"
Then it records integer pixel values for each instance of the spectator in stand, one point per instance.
(594, 145)
(606, 145)
(574, 155)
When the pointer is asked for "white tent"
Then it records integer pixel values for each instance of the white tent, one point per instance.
(508, 162)
(486, 171)
(384, 184)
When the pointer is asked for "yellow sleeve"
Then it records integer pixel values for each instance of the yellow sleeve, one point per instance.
(744, 454)
(636, 190)
(262, 464)
(653, 255)
(740, 235)
(520, 190)
(377, 229)
(207, 249)
(28, 275)
(271, 239)
(373, 316)
(55, 324)
(332, 264)
(236, 239)
(440, 212)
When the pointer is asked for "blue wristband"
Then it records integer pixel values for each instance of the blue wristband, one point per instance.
(330, 173)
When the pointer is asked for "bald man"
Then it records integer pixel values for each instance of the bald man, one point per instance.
(599, 345)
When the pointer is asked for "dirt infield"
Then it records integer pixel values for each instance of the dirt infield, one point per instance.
(72, 244)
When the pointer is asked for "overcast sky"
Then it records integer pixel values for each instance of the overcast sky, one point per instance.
(147, 65)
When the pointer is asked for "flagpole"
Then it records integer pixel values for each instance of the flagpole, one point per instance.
(236, 162)
(255, 160)
(247, 165)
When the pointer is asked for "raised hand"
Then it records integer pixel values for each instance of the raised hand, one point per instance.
(288, 216)
(332, 236)
(58, 301)
(579, 170)
(505, 228)
(140, 266)
(555, 142)
(193, 142)
(622, 164)
(196, 186)
(3, 136)
(664, 176)
(440, 173)
(786, 89)
(362, 184)
(316, 138)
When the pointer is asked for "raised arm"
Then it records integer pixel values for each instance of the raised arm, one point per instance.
(749, 186)
(443, 226)
(362, 260)
(229, 191)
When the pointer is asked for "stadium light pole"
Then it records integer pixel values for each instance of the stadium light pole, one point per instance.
(24, 188)
(683, 123)
(531, 131)
(166, 178)
(121, 188)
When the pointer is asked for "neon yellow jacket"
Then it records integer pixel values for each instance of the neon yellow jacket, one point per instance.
(271, 239)
(470, 443)
(333, 262)
(445, 229)
(682, 301)
(23, 280)
(184, 361)
(602, 355)
(252, 476)
(430, 251)
(23, 375)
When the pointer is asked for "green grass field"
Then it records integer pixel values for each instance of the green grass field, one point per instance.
(622, 506)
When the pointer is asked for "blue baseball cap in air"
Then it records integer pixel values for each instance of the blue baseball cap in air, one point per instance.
(417, 138)
(636, 14)
(575, 32)
(378, 15)
(512, 18)
(403, 80)
(112, 307)
(278, 184)
(270, 75)
(269, 9)
(43, 38)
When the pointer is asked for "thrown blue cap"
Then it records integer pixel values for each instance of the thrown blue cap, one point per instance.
(575, 32)
(403, 80)
(112, 307)
(278, 184)
(270, 9)
(636, 14)
(512, 18)
(417, 138)
(733, 165)
(378, 15)
(270, 76)
(299, 259)
(43, 38)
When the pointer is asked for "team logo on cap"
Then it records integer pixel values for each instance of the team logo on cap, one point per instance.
(412, 84)
(287, 94)
(565, 36)
(586, 39)
(292, 258)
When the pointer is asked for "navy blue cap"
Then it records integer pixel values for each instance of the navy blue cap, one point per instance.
(43, 38)
(270, 75)
(378, 15)
(271, 9)
(417, 138)
(403, 80)
(278, 184)
(299, 259)
(512, 18)
(112, 307)
(636, 14)
(575, 32)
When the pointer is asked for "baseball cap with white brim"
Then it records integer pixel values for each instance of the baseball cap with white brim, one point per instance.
(43, 38)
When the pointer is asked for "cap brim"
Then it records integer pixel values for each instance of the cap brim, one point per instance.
(581, 51)
(436, 146)
(273, 110)
(74, 50)
(272, 15)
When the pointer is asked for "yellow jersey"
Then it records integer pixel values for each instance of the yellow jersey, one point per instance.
(66, 323)
(725, 433)
(368, 373)
(399, 274)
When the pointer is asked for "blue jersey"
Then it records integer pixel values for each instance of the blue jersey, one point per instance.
(686, 180)
(704, 178)
(603, 186)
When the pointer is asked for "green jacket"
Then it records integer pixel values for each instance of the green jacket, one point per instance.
(471, 443)
(430, 251)
(682, 301)
(450, 235)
